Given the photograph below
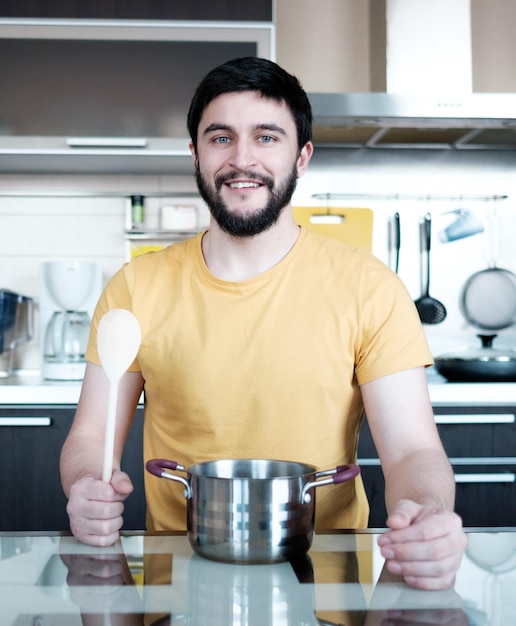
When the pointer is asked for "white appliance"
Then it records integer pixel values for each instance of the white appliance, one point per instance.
(69, 291)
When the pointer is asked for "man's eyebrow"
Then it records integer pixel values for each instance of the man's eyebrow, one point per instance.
(216, 126)
(274, 127)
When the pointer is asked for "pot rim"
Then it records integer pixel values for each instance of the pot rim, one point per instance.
(221, 469)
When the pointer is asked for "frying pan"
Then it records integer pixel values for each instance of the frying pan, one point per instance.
(483, 365)
(488, 302)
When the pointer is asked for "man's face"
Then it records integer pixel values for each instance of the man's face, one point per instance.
(247, 161)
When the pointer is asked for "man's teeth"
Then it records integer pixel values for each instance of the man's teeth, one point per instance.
(243, 185)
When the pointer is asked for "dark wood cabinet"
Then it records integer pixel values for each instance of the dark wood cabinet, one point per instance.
(220, 10)
(31, 498)
(479, 441)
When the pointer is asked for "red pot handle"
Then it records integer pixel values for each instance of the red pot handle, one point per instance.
(344, 473)
(158, 466)
(340, 474)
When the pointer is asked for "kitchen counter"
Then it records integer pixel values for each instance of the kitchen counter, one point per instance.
(51, 579)
(33, 389)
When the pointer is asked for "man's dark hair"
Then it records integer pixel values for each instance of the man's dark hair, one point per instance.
(253, 74)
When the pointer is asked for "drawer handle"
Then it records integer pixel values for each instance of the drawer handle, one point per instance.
(369, 462)
(485, 478)
(106, 142)
(25, 421)
(499, 418)
(483, 460)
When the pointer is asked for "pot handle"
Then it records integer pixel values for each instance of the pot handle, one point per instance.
(159, 468)
(341, 474)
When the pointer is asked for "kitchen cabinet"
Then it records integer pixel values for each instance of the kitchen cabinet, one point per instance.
(132, 85)
(230, 10)
(353, 57)
(31, 498)
(479, 441)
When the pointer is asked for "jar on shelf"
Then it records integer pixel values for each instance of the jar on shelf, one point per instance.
(137, 212)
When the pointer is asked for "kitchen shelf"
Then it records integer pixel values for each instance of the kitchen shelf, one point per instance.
(161, 235)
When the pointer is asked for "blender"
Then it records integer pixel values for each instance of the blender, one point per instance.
(69, 291)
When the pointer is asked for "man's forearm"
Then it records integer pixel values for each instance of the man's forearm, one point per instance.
(79, 458)
(426, 477)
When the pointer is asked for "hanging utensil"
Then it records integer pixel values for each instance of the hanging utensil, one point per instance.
(431, 310)
(118, 341)
(488, 298)
(397, 241)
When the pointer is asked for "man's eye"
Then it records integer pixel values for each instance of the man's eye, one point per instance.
(266, 139)
(221, 140)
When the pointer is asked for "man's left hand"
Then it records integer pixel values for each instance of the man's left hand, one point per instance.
(424, 545)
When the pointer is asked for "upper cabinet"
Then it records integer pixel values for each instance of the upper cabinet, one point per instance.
(214, 10)
(350, 41)
(98, 95)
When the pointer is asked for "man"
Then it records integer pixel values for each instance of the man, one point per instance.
(263, 339)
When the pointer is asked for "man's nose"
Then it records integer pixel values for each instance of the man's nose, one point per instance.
(243, 155)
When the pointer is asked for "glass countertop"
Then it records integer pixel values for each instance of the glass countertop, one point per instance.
(157, 579)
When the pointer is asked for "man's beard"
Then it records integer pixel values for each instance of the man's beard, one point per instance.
(254, 223)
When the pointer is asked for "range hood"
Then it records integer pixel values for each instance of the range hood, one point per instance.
(426, 80)
(478, 121)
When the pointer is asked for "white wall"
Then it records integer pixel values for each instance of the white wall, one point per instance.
(35, 228)
(423, 174)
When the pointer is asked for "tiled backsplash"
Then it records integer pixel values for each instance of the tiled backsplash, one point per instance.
(417, 182)
(45, 218)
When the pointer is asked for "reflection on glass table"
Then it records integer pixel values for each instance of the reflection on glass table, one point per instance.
(157, 580)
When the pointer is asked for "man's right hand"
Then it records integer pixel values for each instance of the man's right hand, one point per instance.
(95, 508)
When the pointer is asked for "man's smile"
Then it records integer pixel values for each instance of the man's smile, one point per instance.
(243, 185)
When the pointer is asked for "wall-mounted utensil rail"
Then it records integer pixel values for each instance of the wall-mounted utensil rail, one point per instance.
(409, 197)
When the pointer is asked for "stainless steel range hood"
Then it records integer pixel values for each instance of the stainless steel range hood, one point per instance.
(385, 120)
(424, 50)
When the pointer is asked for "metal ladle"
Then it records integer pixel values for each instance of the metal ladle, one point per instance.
(431, 310)
(118, 341)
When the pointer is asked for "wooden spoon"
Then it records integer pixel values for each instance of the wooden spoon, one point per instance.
(118, 341)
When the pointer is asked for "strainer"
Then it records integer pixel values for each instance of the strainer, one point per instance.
(488, 298)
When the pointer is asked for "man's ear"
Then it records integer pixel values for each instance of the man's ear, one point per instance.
(193, 152)
(304, 158)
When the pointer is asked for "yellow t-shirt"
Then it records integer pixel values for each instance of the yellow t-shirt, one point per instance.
(268, 367)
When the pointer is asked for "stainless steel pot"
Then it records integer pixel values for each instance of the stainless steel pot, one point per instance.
(250, 510)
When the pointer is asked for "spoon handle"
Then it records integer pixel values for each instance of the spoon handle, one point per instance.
(109, 438)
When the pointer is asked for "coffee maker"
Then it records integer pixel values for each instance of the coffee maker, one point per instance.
(69, 291)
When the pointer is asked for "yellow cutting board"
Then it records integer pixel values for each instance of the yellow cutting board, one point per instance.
(350, 225)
